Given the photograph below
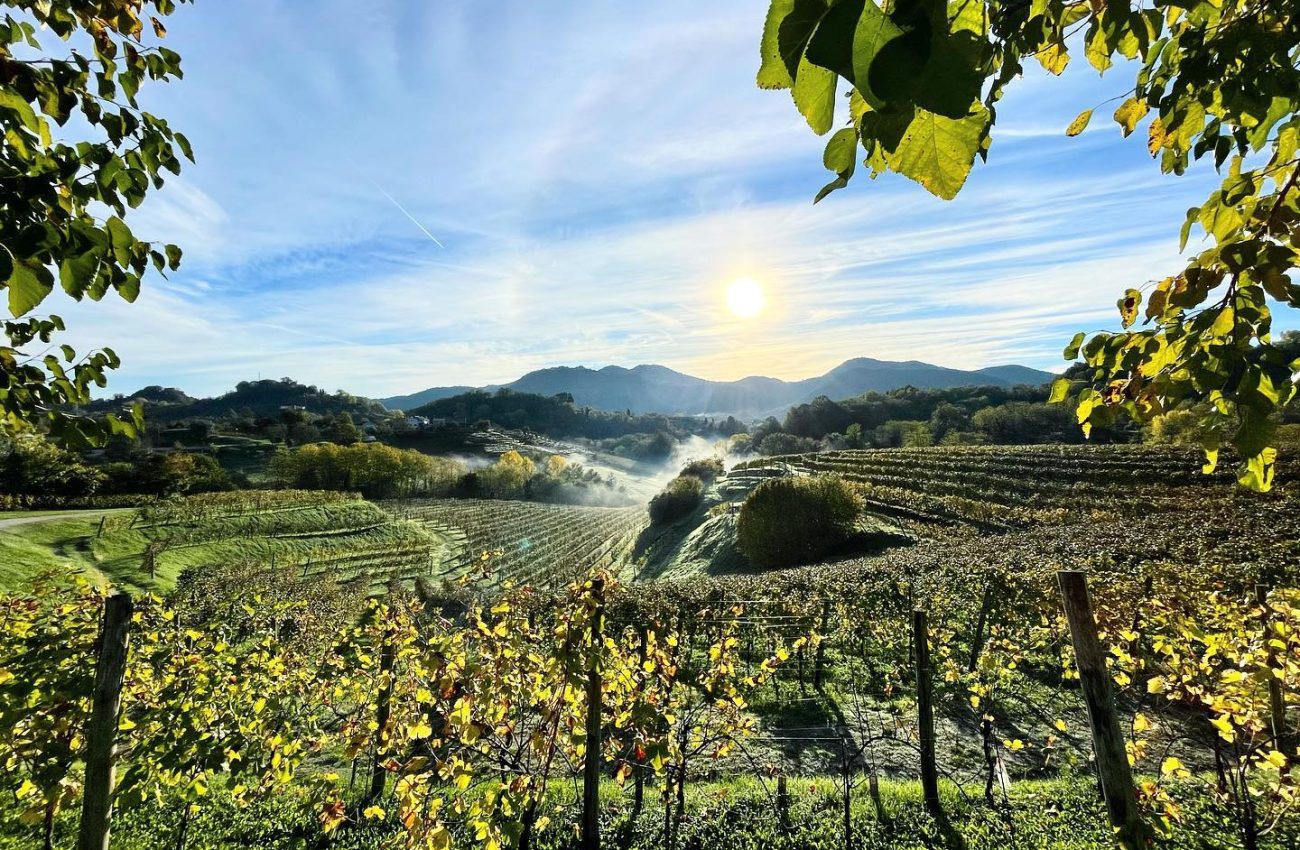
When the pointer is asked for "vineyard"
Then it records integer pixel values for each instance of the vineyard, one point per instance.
(310, 533)
(437, 714)
(1009, 487)
(544, 545)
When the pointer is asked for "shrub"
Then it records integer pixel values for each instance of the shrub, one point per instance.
(796, 520)
(705, 469)
(678, 499)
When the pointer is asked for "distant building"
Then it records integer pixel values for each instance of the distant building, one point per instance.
(423, 423)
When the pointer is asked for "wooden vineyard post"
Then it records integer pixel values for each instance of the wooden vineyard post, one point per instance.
(819, 659)
(378, 773)
(783, 801)
(1282, 738)
(591, 764)
(925, 713)
(1107, 737)
(977, 642)
(101, 729)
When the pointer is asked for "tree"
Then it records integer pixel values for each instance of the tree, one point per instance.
(679, 498)
(55, 193)
(33, 465)
(787, 521)
(1215, 79)
(946, 419)
(507, 477)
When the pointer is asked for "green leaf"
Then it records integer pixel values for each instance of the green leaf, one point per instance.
(953, 74)
(938, 152)
(173, 256)
(795, 31)
(28, 284)
(77, 273)
(831, 45)
(1079, 124)
(121, 240)
(772, 72)
(1072, 350)
(14, 102)
(1060, 391)
(814, 96)
(1096, 50)
(877, 80)
(841, 156)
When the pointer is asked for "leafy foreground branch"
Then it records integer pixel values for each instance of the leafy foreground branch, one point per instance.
(63, 203)
(1216, 81)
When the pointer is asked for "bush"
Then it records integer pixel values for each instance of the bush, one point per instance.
(705, 469)
(678, 499)
(796, 520)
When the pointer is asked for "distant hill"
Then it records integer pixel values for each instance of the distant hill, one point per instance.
(423, 397)
(261, 398)
(658, 389)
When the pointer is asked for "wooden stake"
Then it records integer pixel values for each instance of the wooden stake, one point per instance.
(591, 764)
(383, 708)
(925, 713)
(101, 729)
(1107, 737)
(1282, 738)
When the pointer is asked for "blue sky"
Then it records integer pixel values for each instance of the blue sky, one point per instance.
(596, 173)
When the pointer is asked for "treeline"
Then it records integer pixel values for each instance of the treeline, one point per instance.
(911, 417)
(372, 469)
(555, 480)
(559, 416)
(248, 398)
(45, 474)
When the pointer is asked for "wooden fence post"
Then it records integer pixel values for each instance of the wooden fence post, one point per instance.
(591, 764)
(819, 659)
(383, 708)
(1282, 738)
(101, 729)
(783, 802)
(925, 713)
(1107, 737)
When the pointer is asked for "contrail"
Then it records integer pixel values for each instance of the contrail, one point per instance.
(413, 219)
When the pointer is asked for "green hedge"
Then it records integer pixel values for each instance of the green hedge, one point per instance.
(789, 521)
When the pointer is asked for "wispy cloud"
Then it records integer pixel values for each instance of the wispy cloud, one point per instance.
(596, 175)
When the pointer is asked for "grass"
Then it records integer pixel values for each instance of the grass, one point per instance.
(50, 546)
(739, 813)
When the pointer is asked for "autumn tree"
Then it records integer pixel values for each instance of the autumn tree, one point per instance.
(76, 153)
(1211, 80)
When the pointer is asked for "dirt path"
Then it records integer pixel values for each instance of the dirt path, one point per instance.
(10, 522)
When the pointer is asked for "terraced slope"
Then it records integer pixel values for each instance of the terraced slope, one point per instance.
(307, 532)
(1006, 487)
(542, 544)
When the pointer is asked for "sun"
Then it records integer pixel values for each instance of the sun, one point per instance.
(745, 297)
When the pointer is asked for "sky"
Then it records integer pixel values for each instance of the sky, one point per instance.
(399, 194)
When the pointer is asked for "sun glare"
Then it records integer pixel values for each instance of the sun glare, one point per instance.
(745, 297)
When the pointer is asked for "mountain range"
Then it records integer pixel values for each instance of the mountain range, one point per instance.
(658, 389)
